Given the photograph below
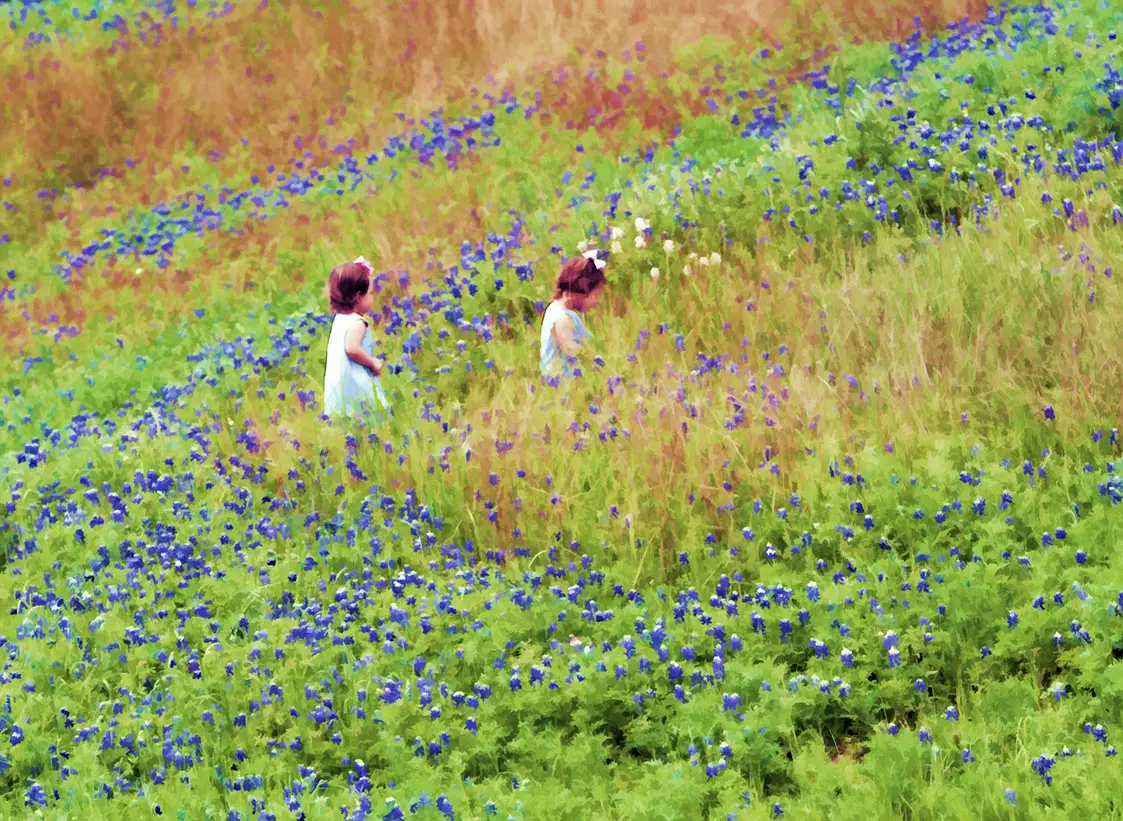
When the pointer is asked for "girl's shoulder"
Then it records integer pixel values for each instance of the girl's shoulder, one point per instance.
(350, 319)
(555, 311)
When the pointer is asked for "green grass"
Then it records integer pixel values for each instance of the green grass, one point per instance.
(856, 429)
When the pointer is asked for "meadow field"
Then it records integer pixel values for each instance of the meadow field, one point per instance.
(825, 529)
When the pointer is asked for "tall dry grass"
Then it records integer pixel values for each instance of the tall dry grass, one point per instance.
(971, 334)
(291, 71)
(324, 75)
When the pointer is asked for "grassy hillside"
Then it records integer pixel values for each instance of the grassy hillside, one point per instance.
(826, 527)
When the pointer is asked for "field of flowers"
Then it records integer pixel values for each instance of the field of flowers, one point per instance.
(826, 528)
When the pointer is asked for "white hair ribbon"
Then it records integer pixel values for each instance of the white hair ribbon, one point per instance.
(592, 254)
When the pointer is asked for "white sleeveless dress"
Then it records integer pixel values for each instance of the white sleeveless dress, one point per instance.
(349, 388)
(552, 359)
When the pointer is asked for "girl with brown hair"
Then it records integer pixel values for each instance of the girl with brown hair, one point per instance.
(351, 377)
(579, 285)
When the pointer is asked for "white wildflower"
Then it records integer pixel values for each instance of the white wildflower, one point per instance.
(641, 224)
(616, 247)
(715, 258)
(669, 246)
(583, 246)
(655, 273)
(640, 241)
(617, 233)
(687, 270)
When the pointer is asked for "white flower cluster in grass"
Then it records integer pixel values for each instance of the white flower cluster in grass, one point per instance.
(642, 226)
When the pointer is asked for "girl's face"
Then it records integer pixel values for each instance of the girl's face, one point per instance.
(585, 302)
(366, 301)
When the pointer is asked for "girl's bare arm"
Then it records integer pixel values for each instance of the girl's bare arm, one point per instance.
(563, 335)
(352, 344)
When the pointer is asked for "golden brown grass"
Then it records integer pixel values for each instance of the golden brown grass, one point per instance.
(275, 75)
(958, 329)
(992, 325)
(282, 72)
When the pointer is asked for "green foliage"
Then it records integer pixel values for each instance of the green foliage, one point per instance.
(643, 498)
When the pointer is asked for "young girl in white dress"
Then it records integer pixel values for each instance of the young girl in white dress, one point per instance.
(351, 377)
(578, 289)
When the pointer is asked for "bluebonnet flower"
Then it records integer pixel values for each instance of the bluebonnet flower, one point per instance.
(35, 796)
(1042, 765)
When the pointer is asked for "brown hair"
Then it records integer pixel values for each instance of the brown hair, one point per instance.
(346, 284)
(579, 275)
